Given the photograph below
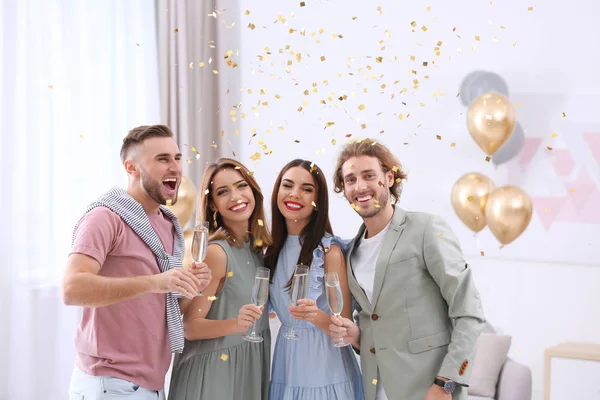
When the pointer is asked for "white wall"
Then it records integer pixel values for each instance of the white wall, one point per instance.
(542, 289)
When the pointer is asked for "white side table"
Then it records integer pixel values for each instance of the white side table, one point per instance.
(572, 371)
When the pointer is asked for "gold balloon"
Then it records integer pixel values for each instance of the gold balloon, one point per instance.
(186, 201)
(469, 197)
(187, 255)
(491, 120)
(508, 212)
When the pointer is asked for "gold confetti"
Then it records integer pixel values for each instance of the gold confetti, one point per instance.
(313, 204)
(224, 357)
(230, 274)
(519, 104)
(564, 115)
(207, 191)
(530, 9)
(438, 137)
(251, 26)
(333, 142)
(488, 158)
(547, 209)
(215, 72)
(428, 8)
(571, 190)
(361, 107)
(554, 135)
(395, 169)
(470, 198)
(169, 202)
(380, 10)
(50, 87)
(258, 242)
(477, 38)
(302, 4)
(453, 144)
(212, 298)
(176, 30)
(424, 28)
(261, 223)
(376, 203)
(549, 147)
(374, 382)
(518, 351)
(363, 126)
(482, 253)
(247, 12)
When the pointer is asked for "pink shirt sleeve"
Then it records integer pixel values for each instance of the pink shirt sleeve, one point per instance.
(96, 234)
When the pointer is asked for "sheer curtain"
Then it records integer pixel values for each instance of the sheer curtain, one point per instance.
(75, 76)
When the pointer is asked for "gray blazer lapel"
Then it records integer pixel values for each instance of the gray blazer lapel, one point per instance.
(356, 290)
(389, 243)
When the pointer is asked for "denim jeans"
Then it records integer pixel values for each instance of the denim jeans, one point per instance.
(87, 387)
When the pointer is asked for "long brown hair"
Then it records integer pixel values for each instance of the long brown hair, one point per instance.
(313, 232)
(259, 233)
(370, 147)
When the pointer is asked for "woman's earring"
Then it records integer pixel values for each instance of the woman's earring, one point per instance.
(215, 219)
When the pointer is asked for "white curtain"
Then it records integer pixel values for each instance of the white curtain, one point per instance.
(75, 76)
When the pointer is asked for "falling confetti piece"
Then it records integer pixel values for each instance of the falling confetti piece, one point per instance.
(518, 351)
(549, 147)
(530, 8)
(361, 107)
(224, 357)
(50, 87)
(488, 158)
(482, 253)
(169, 202)
(438, 137)
(176, 30)
(247, 12)
(547, 209)
(564, 115)
(212, 298)
(554, 135)
(452, 144)
(230, 274)
(374, 382)
(258, 242)
(470, 198)
(519, 104)
(424, 28)
(313, 204)
(322, 58)
(376, 203)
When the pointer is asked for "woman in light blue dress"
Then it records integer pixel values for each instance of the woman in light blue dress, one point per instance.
(310, 367)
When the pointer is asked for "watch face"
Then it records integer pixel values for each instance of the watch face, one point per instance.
(449, 387)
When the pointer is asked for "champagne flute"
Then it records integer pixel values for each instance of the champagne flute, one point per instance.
(299, 290)
(335, 300)
(260, 295)
(200, 244)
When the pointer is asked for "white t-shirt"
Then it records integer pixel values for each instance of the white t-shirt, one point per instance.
(364, 261)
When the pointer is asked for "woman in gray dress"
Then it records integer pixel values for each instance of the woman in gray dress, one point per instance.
(216, 362)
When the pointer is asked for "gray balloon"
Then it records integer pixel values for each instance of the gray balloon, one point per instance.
(511, 148)
(479, 82)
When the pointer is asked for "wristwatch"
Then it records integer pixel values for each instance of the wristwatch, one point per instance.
(448, 385)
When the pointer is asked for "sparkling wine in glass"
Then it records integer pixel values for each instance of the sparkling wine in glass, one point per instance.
(335, 300)
(200, 243)
(260, 295)
(299, 291)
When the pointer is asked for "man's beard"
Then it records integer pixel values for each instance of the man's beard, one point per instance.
(153, 188)
(381, 200)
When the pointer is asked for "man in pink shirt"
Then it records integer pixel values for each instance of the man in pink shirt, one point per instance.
(125, 337)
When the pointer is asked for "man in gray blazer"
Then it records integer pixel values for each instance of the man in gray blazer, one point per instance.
(419, 313)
